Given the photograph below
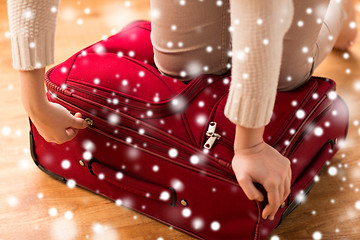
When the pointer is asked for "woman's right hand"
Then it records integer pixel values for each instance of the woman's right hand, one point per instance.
(56, 124)
(53, 121)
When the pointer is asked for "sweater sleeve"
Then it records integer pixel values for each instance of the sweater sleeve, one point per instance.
(258, 28)
(32, 29)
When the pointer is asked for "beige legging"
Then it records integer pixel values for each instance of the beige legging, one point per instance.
(181, 34)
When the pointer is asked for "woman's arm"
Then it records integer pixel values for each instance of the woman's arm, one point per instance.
(54, 122)
(32, 28)
(258, 28)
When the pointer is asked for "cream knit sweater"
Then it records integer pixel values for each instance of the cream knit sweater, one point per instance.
(258, 28)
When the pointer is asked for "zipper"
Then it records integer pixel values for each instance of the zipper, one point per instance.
(300, 132)
(310, 126)
(210, 141)
(213, 136)
(213, 166)
(190, 92)
(102, 98)
(276, 139)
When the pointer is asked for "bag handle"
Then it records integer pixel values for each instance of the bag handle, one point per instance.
(130, 184)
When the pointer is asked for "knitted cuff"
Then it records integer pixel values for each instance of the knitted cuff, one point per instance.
(33, 52)
(249, 112)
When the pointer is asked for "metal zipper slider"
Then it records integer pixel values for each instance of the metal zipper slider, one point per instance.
(89, 121)
(212, 135)
(211, 129)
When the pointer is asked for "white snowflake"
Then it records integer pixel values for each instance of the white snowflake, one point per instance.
(226, 81)
(177, 184)
(53, 212)
(357, 205)
(68, 215)
(6, 131)
(80, 21)
(113, 118)
(317, 235)
(259, 21)
(194, 68)
(352, 25)
(28, 14)
(357, 85)
(194, 159)
(173, 152)
(300, 114)
(186, 212)
(131, 53)
(118, 202)
(119, 175)
(169, 44)
(164, 196)
(201, 119)
(332, 171)
(155, 168)
(40, 195)
(65, 164)
(197, 223)
(99, 49)
(318, 131)
(274, 238)
(300, 197)
(12, 201)
(71, 183)
(332, 95)
(149, 113)
(215, 226)
(87, 155)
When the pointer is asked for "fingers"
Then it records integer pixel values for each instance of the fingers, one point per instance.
(78, 122)
(277, 194)
(287, 188)
(250, 190)
(274, 203)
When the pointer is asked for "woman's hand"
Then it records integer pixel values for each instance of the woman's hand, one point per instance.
(255, 161)
(54, 122)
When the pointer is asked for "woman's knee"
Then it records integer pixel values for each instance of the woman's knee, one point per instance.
(291, 81)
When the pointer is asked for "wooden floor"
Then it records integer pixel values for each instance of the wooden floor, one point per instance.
(33, 206)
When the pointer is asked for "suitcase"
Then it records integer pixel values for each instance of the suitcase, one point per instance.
(164, 148)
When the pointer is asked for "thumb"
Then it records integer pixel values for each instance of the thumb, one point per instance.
(78, 122)
(71, 132)
(250, 190)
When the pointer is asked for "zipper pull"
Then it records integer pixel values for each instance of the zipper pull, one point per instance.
(212, 135)
(211, 129)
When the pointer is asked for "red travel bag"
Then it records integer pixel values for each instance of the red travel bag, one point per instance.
(164, 148)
